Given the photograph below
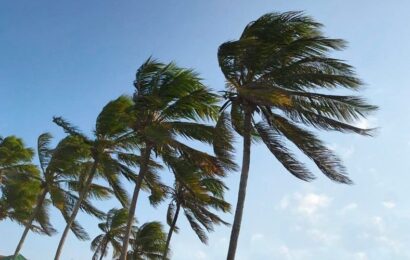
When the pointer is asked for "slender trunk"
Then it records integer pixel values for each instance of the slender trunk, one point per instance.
(145, 155)
(171, 231)
(83, 194)
(103, 251)
(242, 185)
(33, 216)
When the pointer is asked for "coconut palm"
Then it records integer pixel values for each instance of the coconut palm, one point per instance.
(147, 242)
(18, 180)
(274, 73)
(18, 197)
(171, 103)
(60, 178)
(113, 228)
(108, 154)
(196, 193)
(15, 158)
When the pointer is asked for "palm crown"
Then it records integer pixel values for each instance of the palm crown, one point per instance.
(113, 228)
(274, 70)
(171, 104)
(18, 180)
(147, 242)
(109, 154)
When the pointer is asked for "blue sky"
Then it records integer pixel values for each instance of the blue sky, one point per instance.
(70, 57)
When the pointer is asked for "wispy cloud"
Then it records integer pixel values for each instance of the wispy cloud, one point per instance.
(310, 203)
(389, 204)
(349, 207)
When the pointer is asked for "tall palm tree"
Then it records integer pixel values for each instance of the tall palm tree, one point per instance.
(61, 169)
(108, 154)
(195, 193)
(147, 242)
(170, 103)
(113, 228)
(274, 73)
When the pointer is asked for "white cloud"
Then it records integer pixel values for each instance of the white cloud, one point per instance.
(284, 202)
(389, 204)
(285, 251)
(369, 122)
(323, 237)
(257, 237)
(378, 223)
(307, 204)
(390, 243)
(349, 207)
(310, 203)
(383, 238)
(344, 152)
(360, 256)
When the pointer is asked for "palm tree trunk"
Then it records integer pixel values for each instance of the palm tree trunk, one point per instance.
(171, 231)
(242, 185)
(33, 216)
(145, 156)
(103, 250)
(83, 194)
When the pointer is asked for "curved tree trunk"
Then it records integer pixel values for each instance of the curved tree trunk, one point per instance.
(83, 194)
(103, 250)
(33, 216)
(145, 156)
(171, 231)
(242, 185)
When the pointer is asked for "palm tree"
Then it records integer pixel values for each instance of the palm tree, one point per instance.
(113, 228)
(147, 242)
(195, 192)
(273, 73)
(18, 197)
(60, 168)
(18, 180)
(15, 158)
(170, 103)
(108, 154)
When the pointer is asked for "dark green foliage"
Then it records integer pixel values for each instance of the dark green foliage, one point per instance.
(275, 72)
(274, 69)
(147, 242)
(197, 193)
(171, 105)
(113, 228)
(19, 184)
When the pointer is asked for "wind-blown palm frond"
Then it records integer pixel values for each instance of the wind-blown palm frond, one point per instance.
(113, 136)
(147, 242)
(275, 72)
(172, 105)
(196, 193)
(113, 228)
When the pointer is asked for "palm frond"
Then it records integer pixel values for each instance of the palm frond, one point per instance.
(43, 150)
(306, 141)
(284, 156)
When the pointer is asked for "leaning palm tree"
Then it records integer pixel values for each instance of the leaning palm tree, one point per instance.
(196, 193)
(109, 155)
(171, 103)
(113, 228)
(61, 169)
(273, 74)
(147, 242)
